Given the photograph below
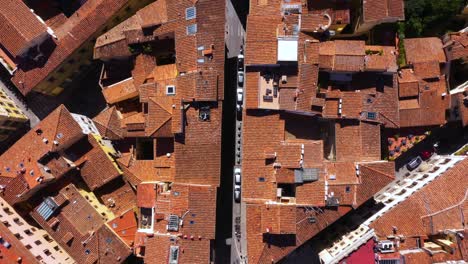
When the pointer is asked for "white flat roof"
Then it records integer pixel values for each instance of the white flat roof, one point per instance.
(287, 50)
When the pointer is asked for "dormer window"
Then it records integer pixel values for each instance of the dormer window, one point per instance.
(170, 90)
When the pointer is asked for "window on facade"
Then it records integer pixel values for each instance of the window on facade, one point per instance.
(37, 242)
(348, 189)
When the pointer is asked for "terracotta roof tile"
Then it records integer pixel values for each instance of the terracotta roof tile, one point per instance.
(146, 195)
(202, 145)
(356, 141)
(342, 55)
(377, 10)
(79, 222)
(308, 82)
(312, 22)
(424, 50)
(96, 166)
(118, 196)
(108, 122)
(342, 172)
(311, 194)
(252, 80)
(347, 47)
(279, 219)
(429, 109)
(76, 30)
(59, 126)
(433, 196)
(265, 7)
(261, 35)
(408, 84)
(458, 45)
(120, 91)
(157, 249)
(153, 14)
(384, 60)
(427, 70)
(195, 203)
(19, 27)
(125, 226)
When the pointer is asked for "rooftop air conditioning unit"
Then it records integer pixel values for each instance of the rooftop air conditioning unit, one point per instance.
(386, 246)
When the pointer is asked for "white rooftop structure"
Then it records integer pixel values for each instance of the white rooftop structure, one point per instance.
(287, 49)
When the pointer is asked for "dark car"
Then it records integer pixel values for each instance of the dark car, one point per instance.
(414, 163)
(237, 194)
(240, 62)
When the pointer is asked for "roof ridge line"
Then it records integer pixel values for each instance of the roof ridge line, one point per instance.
(375, 170)
(448, 208)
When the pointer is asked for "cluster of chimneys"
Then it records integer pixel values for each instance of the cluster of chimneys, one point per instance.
(192, 237)
(45, 140)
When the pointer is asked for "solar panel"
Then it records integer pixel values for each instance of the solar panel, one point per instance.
(310, 174)
(306, 175)
(173, 223)
(47, 208)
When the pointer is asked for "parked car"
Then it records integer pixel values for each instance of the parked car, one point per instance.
(237, 194)
(237, 176)
(239, 112)
(426, 154)
(240, 78)
(240, 95)
(240, 62)
(414, 163)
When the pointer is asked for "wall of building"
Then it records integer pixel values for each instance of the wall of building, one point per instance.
(37, 241)
(11, 116)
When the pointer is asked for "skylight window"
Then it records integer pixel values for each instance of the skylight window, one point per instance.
(371, 115)
(47, 208)
(192, 29)
(170, 90)
(190, 13)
